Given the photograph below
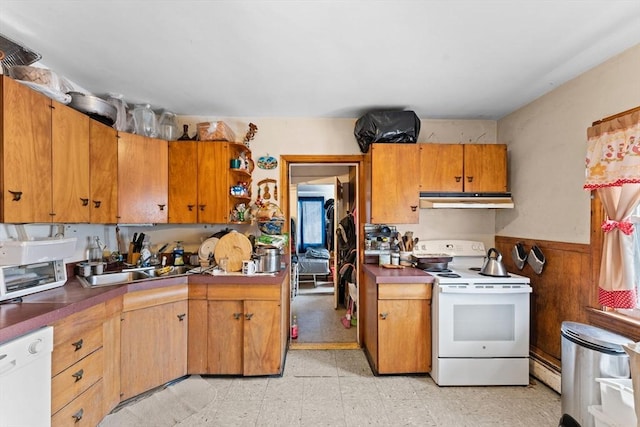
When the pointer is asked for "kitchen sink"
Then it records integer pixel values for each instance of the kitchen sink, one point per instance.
(122, 277)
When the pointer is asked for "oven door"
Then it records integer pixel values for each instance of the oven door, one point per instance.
(481, 321)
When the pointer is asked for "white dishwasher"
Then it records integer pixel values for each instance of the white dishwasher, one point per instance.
(25, 379)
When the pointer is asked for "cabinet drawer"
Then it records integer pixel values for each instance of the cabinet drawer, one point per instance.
(76, 324)
(404, 291)
(85, 410)
(75, 380)
(244, 292)
(154, 297)
(69, 352)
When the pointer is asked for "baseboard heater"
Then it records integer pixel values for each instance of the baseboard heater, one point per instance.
(430, 200)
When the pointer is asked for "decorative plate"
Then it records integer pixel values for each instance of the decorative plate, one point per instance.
(267, 162)
(207, 247)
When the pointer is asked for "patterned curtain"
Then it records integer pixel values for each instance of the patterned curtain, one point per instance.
(613, 171)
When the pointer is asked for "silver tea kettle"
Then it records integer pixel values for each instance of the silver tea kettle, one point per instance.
(493, 265)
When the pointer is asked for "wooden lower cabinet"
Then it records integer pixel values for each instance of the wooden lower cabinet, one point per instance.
(237, 329)
(153, 339)
(398, 327)
(244, 337)
(77, 367)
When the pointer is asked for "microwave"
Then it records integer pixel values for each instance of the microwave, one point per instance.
(19, 280)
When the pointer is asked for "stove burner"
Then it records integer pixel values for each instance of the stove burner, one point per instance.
(449, 275)
(436, 270)
(475, 268)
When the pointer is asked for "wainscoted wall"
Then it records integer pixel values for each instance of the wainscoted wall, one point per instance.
(563, 291)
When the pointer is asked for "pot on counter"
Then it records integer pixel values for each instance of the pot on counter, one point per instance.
(268, 259)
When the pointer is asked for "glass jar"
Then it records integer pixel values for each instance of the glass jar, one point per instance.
(167, 126)
(117, 101)
(144, 121)
(95, 252)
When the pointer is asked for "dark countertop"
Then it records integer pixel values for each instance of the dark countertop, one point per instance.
(46, 307)
(397, 275)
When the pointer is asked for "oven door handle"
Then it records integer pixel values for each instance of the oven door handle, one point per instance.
(522, 290)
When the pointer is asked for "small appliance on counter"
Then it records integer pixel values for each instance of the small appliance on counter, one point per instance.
(30, 266)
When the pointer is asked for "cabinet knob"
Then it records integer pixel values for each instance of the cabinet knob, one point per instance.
(161, 207)
(181, 316)
(85, 202)
(78, 344)
(78, 375)
(458, 178)
(248, 316)
(237, 316)
(190, 207)
(414, 208)
(383, 316)
(17, 195)
(78, 415)
(202, 207)
(469, 179)
(97, 203)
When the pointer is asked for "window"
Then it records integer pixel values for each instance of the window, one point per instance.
(312, 220)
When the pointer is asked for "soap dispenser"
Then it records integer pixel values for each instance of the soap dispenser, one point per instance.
(178, 254)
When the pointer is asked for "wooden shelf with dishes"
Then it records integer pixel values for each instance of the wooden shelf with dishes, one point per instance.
(241, 166)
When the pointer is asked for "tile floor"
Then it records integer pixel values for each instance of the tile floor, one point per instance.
(319, 322)
(336, 388)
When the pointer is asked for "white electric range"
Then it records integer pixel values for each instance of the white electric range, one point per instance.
(480, 324)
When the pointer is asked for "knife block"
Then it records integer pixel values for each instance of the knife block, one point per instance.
(132, 257)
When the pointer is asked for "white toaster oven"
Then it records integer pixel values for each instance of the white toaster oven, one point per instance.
(20, 280)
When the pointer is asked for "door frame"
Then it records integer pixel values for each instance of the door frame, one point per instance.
(359, 160)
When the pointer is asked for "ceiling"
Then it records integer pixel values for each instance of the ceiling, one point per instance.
(444, 59)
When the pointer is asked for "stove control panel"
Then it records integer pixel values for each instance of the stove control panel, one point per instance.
(459, 248)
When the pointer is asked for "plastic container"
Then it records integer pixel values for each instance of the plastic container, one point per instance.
(144, 121)
(167, 126)
(617, 400)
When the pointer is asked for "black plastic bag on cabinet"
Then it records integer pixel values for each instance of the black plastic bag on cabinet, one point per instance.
(386, 126)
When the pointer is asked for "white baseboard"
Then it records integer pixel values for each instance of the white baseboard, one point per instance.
(545, 374)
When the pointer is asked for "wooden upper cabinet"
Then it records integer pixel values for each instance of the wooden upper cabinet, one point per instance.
(470, 168)
(441, 167)
(142, 179)
(395, 171)
(183, 179)
(103, 151)
(26, 154)
(70, 165)
(485, 168)
(213, 188)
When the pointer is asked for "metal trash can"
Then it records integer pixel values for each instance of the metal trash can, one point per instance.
(588, 353)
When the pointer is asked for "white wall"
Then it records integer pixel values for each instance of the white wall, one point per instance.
(546, 144)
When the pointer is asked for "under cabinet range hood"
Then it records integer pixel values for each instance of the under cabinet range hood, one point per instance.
(465, 200)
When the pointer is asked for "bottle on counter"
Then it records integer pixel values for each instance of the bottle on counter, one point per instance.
(178, 254)
(294, 328)
(94, 250)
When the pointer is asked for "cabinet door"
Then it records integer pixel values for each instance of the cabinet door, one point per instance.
(142, 179)
(485, 168)
(183, 182)
(404, 339)
(103, 151)
(213, 190)
(26, 154)
(441, 167)
(261, 338)
(153, 347)
(225, 324)
(394, 183)
(70, 160)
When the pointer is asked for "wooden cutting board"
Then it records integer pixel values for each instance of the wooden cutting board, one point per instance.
(234, 246)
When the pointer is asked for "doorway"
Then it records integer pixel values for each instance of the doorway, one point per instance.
(320, 303)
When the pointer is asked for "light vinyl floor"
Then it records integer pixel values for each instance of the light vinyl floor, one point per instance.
(336, 388)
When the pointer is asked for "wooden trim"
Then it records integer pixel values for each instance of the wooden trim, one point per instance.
(154, 297)
(614, 322)
(324, 346)
(615, 116)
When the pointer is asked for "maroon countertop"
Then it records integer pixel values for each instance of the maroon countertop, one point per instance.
(397, 275)
(44, 308)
